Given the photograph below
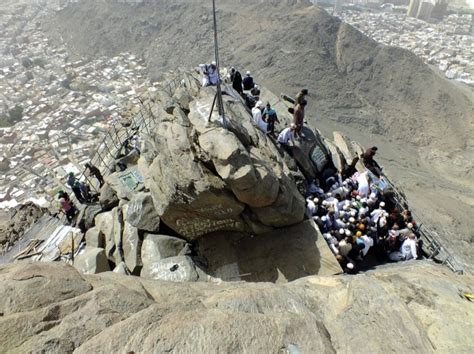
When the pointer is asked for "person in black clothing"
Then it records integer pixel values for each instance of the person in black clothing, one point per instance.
(370, 163)
(232, 74)
(237, 82)
(248, 81)
(96, 173)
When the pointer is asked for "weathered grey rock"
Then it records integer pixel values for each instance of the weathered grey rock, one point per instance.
(183, 98)
(141, 213)
(190, 200)
(251, 181)
(121, 268)
(130, 159)
(117, 218)
(156, 247)
(127, 183)
(175, 269)
(217, 173)
(108, 197)
(344, 146)
(109, 312)
(92, 261)
(358, 150)
(105, 223)
(86, 218)
(51, 284)
(131, 245)
(287, 210)
(95, 238)
(337, 157)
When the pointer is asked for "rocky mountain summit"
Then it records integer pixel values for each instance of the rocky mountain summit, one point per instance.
(203, 203)
(200, 191)
(414, 307)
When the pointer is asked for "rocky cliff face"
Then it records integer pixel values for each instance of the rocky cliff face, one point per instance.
(414, 307)
(199, 193)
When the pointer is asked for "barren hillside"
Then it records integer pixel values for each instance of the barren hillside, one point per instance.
(354, 79)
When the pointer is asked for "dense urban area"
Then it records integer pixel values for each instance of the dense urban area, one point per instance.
(54, 110)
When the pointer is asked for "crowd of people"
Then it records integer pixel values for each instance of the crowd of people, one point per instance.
(356, 212)
(264, 115)
(360, 218)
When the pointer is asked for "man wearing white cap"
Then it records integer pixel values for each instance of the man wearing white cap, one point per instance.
(257, 117)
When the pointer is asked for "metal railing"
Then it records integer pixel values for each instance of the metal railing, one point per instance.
(431, 241)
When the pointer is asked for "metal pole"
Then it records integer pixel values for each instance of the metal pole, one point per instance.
(220, 102)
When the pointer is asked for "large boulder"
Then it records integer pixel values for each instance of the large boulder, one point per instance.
(92, 261)
(95, 238)
(108, 197)
(189, 198)
(86, 218)
(105, 224)
(156, 247)
(141, 213)
(218, 175)
(131, 244)
(175, 269)
(109, 312)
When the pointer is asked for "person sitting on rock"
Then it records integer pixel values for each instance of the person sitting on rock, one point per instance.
(248, 81)
(255, 92)
(210, 76)
(370, 163)
(270, 116)
(257, 117)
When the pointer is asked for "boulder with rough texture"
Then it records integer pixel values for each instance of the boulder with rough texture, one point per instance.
(175, 269)
(86, 218)
(191, 199)
(126, 183)
(141, 213)
(156, 247)
(121, 268)
(105, 224)
(95, 238)
(217, 173)
(92, 261)
(414, 306)
(118, 230)
(108, 197)
(131, 244)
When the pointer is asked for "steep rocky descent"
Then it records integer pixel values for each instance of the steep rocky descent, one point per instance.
(413, 307)
(16, 222)
(353, 79)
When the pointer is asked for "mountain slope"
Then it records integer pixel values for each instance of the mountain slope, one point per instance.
(354, 79)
